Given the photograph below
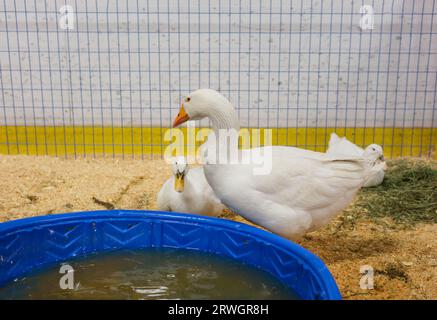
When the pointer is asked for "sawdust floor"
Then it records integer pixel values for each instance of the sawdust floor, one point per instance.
(404, 260)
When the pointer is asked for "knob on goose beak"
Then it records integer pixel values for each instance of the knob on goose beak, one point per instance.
(181, 117)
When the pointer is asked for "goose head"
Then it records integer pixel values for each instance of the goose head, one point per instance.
(180, 170)
(208, 103)
(374, 152)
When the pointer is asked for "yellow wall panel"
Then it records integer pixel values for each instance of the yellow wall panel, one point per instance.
(90, 141)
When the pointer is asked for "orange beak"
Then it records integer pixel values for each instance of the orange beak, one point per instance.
(181, 117)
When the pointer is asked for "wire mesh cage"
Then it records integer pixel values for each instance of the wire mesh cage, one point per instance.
(91, 78)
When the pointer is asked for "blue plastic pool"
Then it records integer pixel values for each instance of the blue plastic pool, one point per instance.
(36, 242)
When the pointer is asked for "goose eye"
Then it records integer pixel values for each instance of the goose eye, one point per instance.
(187, 99)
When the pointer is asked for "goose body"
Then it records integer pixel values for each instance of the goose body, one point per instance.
(304, 189)
(196, 197)
(342, 146)
(303, 192)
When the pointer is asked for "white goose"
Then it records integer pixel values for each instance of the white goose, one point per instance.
(304, 189)
(188, 191)
(342, 146)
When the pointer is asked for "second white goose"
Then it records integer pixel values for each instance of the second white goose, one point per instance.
(342, 146)
(188, 191)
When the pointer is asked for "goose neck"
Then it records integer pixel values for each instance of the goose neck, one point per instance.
(224, 118)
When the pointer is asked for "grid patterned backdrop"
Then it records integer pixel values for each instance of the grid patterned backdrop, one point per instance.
(90, 78)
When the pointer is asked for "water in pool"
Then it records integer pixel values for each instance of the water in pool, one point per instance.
(150, 274)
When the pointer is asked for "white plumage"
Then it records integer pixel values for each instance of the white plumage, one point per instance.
(342, 146)
(196, 197)
(303, 192)
(304, 189)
